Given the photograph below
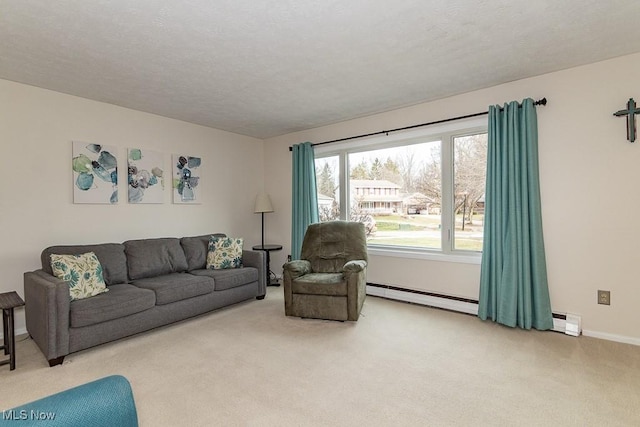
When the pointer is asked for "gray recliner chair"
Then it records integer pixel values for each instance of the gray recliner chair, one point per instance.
(329, 281)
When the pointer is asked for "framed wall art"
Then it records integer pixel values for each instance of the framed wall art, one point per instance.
(145, 176)
(95, 173)
(186, 179)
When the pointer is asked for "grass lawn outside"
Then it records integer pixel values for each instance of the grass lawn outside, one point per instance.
(423, 231)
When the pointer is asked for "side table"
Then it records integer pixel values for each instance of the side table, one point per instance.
(9, 301)
(268, 249)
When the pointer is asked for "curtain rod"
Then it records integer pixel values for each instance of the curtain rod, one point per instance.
(542, 101)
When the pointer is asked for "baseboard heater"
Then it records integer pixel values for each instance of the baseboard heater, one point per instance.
(562, 322)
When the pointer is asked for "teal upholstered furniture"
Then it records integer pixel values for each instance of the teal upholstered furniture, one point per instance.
(105, 402)
(329, 282)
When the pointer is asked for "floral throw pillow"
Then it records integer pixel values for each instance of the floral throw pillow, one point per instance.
(83, 274)
(224, 252)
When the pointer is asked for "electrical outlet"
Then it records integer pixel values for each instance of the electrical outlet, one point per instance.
(604, 297)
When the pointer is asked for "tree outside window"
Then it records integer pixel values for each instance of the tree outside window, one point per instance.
(424, 195)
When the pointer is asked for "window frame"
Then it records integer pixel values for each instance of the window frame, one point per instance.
(446, 134)
(452, 171)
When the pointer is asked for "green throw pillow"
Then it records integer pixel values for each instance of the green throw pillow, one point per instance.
(224, 252)
(83, 274)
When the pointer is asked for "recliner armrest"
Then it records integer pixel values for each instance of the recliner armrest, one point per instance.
(355, 266)
(291, 271)
(297, 268)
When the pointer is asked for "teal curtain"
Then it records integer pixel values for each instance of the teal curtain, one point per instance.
(304, 195)
(513, 278)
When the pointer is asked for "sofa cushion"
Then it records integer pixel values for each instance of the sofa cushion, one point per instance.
(317, 284)
(83, 274)
(121, 300)
(196, 249)
(110, 255)
(231, 278)
(175, 287)
(154, 257)
(224, 252)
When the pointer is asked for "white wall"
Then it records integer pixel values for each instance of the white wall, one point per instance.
(590, 179)
(589, 172)
(36, 198)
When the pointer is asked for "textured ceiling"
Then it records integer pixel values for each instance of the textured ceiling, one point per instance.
(267, 68)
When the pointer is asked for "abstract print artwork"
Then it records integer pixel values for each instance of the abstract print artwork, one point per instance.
(145, 176)
(186, 179)
(95, 173)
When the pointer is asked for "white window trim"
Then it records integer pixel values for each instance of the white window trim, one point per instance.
(445, 133)
(426, 254)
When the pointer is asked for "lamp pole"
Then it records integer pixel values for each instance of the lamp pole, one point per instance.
(262, 205)
(262, 229)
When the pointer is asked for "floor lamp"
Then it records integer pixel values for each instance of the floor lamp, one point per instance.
(263, 204)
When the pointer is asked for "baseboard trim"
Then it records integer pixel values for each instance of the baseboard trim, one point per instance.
(611, 337)
(446, 302)
(19, 331)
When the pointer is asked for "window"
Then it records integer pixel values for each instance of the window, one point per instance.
(327, 175)
(469, 176)
(422, 193)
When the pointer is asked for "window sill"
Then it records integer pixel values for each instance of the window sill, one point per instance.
(411, 253)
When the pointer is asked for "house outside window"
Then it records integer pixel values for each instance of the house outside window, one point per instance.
(382, 200)
(417, 193)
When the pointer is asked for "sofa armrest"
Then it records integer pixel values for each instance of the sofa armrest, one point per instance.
(107, 401)
(257, 259)
(47, 313)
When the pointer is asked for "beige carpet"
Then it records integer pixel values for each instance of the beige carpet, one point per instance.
(399, 365)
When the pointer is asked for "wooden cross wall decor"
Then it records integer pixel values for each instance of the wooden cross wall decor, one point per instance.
(630, 112)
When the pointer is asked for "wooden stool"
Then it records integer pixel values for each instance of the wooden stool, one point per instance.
(9, 301)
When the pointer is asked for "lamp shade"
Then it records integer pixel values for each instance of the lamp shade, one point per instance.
(263, 203)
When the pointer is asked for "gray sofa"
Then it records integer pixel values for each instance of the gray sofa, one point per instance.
(151, 282)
